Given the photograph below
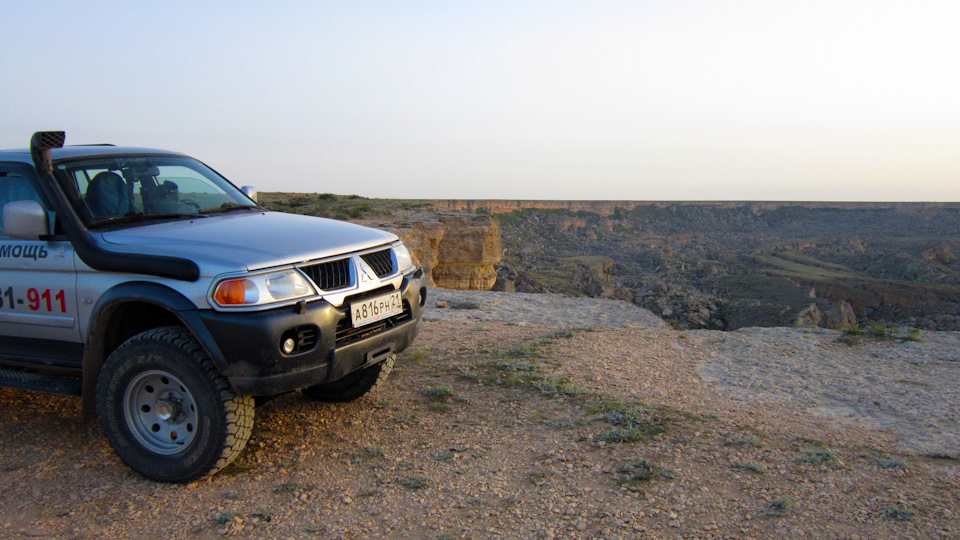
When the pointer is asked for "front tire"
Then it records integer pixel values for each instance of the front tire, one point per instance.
(355, 385)
(167, 411)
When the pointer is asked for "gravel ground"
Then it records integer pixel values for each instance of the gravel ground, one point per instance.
(524, 309)
(607, 426)
(910, 387)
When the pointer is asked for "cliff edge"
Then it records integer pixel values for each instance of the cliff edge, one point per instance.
(456, 251)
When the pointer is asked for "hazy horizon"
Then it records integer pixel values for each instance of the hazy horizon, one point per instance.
(611, 100)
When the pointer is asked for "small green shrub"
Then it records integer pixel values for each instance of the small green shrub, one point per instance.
(640, 471)
(778, 508)
(408, 420)
(439, 393)
(414, 482)
(511, 380)
(749, 466)
(226, 517)
(564, 423)
(606, 405)
(622, 435)
(540, 476)
(289, 487)
(913, 335)
(851, 339)
(634, 422)
(367, 454)
(900, 513)
(742, 441)
(299, 201)
(556, 388)
(467, 372)
(525, 367)
(821, 456)
(416, 355)
(524, 350)
(887, 462)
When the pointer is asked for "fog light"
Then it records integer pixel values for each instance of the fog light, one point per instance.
(288, 345)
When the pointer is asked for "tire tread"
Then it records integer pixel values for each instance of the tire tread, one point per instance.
(239, 410)
(370, 380)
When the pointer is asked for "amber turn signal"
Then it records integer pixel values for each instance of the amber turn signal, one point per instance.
(236, 292)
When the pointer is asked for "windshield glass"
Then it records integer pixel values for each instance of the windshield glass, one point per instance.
(116, 189)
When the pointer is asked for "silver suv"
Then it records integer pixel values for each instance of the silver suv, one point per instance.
(148, 284)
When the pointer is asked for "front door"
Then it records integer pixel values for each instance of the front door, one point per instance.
(38, 302)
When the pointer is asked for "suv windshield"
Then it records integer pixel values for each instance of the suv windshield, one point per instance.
(129, 188)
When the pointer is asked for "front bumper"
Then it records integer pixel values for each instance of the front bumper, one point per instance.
(249, 343)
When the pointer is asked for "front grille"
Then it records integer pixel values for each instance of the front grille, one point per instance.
(380, 261)
(347, 334)
(330, 276)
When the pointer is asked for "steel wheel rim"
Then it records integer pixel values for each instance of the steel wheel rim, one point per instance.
(161, 412)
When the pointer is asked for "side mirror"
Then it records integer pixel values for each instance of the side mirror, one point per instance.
(26, 220)
(251, 192)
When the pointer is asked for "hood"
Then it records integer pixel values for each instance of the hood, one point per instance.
(247, 240)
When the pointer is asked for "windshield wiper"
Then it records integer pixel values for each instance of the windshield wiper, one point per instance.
(226, 207)
(132, 217)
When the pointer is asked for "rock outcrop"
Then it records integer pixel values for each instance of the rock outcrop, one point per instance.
(839, 316)
(456, 251)
(940, 253)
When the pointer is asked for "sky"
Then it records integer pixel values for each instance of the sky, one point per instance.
(613, 100)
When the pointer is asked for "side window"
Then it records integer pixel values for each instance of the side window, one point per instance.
(15, 186)
(82, 178)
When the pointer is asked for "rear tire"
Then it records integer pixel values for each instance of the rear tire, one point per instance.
(167, 411)
(353, 386)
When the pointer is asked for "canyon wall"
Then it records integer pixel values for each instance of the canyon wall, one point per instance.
(606, 208)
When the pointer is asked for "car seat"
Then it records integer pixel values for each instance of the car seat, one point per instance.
(107, 195)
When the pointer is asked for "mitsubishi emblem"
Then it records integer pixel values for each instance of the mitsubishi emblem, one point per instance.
(367, 274)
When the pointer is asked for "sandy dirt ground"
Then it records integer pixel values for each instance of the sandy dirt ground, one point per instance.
(494, 429)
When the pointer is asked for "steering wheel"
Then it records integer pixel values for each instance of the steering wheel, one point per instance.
(191, 202)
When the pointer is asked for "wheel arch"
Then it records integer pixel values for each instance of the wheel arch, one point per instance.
(128, 309)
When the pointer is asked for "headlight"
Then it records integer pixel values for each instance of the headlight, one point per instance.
(262, 289)
(404, 260)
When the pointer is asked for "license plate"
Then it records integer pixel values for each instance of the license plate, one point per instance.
(375, 309)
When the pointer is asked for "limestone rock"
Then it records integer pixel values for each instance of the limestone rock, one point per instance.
(423, 240)
(455, 251)
(839, 316)
(467, 253)
(808, 317)
(504, 285)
